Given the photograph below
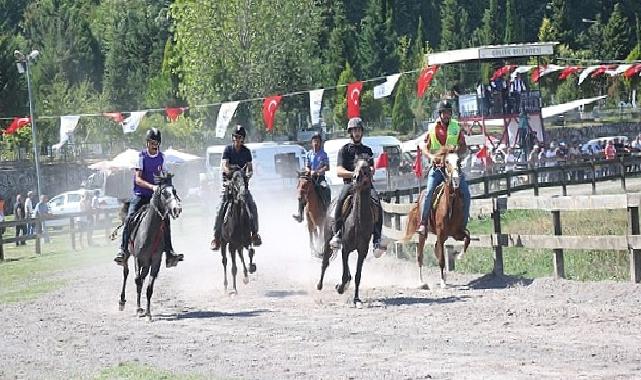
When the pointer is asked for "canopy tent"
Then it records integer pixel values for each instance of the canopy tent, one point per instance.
(129, 159)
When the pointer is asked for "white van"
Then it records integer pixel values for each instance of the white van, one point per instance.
(275, 165)
(376, 143)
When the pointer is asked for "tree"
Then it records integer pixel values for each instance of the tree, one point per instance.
(449, 35)
(340, 107)
(373, 42)
(338, 50)
(560, 25)
(402, 116)
(617, 35)
(511, 18)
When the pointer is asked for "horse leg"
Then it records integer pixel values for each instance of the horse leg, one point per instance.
(357, 279)
(326, 255)
(242, 260)
(252, 266)
(420, 248)
(234, 268)
(125, 273)
(223, 252)
(140, 280)
(347, 277)
(439, 251)
(150, 292)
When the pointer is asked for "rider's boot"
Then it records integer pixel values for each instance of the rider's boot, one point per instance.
(301, 207)
(120, 257)
(256, 240)
(171, 258)
(336, 241)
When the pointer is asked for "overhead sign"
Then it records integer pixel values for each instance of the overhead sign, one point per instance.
(515, 51)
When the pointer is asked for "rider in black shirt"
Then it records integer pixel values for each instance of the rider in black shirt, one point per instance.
(238, 155)
(345, 169)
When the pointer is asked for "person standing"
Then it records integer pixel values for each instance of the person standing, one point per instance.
(19, 214)
(42, 212)
(28, 211)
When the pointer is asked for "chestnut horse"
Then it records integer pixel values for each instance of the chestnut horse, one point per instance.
(315, 209)
(445, 218)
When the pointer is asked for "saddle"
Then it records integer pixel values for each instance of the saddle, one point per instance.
(134, 223)
(347, 208)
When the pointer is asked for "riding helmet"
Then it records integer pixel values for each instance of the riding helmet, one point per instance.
(355, 122)
(444, 105)
(154, 134)
(240, 131)
(318, 136)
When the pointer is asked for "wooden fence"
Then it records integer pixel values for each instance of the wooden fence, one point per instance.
(102, 220)
(393, 228)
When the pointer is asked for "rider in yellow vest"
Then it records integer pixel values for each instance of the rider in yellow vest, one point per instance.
(445, 131)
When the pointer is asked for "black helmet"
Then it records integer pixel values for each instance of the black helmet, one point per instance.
(355, 122)
(154, 134)
(240, 131)
(318, 136)
(444, 105)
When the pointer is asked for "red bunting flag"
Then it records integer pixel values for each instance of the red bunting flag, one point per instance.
(17, 123)
(503, 71)
(117, 116)
(418, 163)
(569, 71)
(601, 70)
(173, 113)
(425, 79)
(354, 99)
(632, 71)
(536, 73)
(382, 161)
(270, 105)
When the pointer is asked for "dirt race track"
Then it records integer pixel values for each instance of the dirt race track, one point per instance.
(279, 326)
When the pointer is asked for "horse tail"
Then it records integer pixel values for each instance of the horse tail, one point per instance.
(413, 217)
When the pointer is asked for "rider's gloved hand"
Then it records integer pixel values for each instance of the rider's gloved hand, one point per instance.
(154, 188)
(249, 174)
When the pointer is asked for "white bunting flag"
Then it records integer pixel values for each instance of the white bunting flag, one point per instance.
(386, 88)
(225, 114)
(619, 70)
(67, 126)
(586, 73)
(315, 102)
(131, 123)
(549, 69)
(520, 70)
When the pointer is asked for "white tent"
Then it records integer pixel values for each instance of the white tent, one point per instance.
(129, 159)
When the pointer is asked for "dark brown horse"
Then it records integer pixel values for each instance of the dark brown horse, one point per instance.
(357, 229)
(445, 219)
(315, 209)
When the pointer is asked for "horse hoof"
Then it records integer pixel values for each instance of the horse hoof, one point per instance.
(121, 306)
(252, 268)
(245, 280)
(140, 312)
(340, 288)
(443, 284)
(148, 317)
(233, 293)
(423, 286)
(319, 286)
(358, 303)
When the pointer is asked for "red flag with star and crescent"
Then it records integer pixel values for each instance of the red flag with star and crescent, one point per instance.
(116, 116)
(17, 123)
(425, 79)
(354, 99)
(173, 112)
(418, 163)
(270, 105)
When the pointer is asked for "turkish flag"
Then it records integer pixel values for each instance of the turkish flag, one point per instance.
(632, 71)
(354, 99)
(117, 116)
(382, 161)
(536, 73)
(270, 105)
(17, 123)
(418, 163)
(600, 71)
(425, 79)
(569, 71)
(503, 71)
(173, 113)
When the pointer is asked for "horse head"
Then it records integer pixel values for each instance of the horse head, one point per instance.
(237, 185)
(305, 184)
(362, 173)
(451, 165)
(165, 197)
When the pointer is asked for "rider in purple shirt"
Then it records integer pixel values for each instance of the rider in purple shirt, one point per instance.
(150, 163)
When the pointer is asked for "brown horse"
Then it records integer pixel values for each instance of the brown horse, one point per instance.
(445, 218)
(315, 209)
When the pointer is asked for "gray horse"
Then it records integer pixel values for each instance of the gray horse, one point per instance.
(236, 234)
(357, 229)
(147, 239)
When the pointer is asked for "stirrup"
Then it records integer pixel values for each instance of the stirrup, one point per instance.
(422, 230)
(336, 241)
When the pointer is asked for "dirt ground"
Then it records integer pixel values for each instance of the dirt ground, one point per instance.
(279, 326)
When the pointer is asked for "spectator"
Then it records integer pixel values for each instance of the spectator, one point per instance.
(533, 158)
(42, 212)
(510, 159)
(84, 221)
(19, 214)
(1, 214)
(610, 151)
(516, 88)
(636, 145)
(28, 211)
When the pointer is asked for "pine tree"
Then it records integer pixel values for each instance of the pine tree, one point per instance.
(390, 41)
(561, 28)
(617, 35)
(511, 17)
(489, 32)
(371, 47)
(449, 36)
(402, 116)
(337, 52)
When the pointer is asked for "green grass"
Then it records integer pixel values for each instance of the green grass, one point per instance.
(135, 371)
(25, 275)
(583, 265)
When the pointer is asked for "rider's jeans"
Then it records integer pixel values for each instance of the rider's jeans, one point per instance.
(338, 212)
(434, 178)
(135, 203)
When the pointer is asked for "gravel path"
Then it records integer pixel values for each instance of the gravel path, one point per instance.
(279, 326)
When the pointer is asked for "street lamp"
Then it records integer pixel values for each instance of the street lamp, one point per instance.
(23, 63)
(588, 21)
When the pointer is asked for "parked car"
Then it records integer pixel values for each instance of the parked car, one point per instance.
(69, 202)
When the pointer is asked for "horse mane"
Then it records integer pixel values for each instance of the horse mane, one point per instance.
(164, 178)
